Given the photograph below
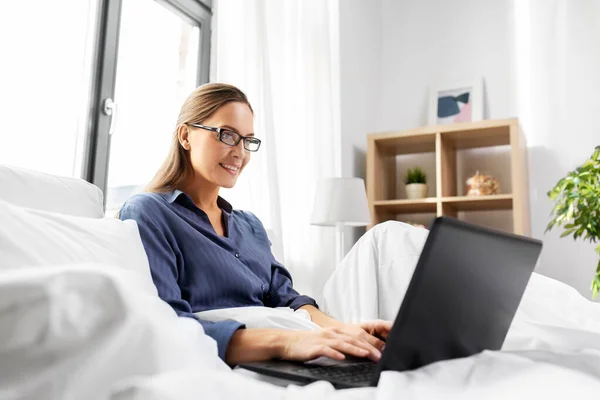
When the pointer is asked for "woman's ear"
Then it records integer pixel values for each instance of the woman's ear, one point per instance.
(183, 135)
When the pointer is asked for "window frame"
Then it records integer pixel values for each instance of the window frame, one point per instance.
(95, 160)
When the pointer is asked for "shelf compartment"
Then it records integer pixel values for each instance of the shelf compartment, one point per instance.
(484, 136)
(426, 205)
(481, 203)
(423, 143)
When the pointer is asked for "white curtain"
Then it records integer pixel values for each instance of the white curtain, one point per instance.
(557, 60)
(284, 56)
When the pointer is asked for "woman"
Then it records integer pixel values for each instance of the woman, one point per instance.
(205, 255)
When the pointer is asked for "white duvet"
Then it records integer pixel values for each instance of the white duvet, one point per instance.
(91, 331)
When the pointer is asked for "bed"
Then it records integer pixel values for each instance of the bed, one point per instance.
(80, 319)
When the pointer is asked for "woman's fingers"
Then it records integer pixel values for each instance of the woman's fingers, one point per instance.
(333, 344)
(346, 347)
(372, 340)
(383, 328)
(379, 328)
(369, 351)
(330, 352)
(360, 338)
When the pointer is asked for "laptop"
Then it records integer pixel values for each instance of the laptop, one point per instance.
(461, 300)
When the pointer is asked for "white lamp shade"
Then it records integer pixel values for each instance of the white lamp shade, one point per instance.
(341, 201)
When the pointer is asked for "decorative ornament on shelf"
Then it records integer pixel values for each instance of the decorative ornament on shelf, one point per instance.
(577, 206)
(416, 184)
(482, 185)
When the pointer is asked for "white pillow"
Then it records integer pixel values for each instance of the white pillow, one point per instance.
(51, 193)
(38, 238)
(262, 317)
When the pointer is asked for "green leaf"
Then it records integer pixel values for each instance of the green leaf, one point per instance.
(570, 212)
(596, 282)
(415, 175)
(567, 232)
(550, 226)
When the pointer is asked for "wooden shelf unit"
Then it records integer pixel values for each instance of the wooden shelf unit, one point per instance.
(444, 141)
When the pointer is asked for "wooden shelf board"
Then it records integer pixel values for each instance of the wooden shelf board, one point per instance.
(486, 137)
(407, 144)
(460, 135)
(471, 203)
(488, 124)
(457, 127)
(426, 205)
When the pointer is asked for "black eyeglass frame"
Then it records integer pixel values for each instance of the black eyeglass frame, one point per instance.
(220, 132)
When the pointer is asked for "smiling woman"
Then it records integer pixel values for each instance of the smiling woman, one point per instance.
(204, 255)
(227, 110)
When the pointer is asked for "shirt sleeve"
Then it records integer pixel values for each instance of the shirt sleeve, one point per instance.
(281, 290)
(163, 268)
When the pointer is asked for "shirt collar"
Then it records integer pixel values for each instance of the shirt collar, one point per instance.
(176, 194)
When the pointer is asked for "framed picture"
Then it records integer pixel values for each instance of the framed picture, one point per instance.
(456, 102)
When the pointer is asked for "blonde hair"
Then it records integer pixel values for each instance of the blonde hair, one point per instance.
(204, 101)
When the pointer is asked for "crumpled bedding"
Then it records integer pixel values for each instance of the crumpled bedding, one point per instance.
(90, 331)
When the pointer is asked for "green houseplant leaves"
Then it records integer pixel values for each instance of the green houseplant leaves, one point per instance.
(415, 175)
(577, 206)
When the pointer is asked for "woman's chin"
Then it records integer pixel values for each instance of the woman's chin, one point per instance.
(228, 184)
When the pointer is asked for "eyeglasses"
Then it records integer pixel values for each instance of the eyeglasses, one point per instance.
(232, 138)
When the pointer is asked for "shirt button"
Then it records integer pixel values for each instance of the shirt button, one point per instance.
(237, 255)
(262, 286)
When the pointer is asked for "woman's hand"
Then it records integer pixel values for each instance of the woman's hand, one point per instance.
(334, 342)
(373, 332)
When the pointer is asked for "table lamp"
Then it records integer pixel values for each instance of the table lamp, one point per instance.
(340, 202)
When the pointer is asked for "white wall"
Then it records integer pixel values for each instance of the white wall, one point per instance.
(360, 85)
(360, 60)
(385, 84)
(558, 94)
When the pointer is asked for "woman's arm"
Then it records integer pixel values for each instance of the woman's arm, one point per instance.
(247, 345)
(320, 318)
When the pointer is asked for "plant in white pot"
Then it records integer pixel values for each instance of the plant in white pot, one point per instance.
(416, 184)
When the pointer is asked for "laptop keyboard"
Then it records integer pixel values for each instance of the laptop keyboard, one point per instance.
(350, 374)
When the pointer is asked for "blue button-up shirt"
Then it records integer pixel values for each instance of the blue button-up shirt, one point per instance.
(194, 269)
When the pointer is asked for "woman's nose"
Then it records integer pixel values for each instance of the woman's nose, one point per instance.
(239, 151)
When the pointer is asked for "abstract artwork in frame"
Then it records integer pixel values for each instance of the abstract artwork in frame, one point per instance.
(457, 102)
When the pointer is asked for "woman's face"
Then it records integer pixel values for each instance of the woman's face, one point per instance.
(212, 159)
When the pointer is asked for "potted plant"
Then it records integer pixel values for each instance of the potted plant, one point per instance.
(416, 183)
(577, 198)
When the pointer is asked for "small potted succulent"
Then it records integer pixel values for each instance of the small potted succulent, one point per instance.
(416, 183)
(577, 206)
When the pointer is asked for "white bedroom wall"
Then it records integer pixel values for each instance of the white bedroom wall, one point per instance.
(360, 84)
(384, 86)
(558, 95)
(431, 41)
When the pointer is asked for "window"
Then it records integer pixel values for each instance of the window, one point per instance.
(156, 70)
(63, 62)
(45, 78)
(154, 54)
